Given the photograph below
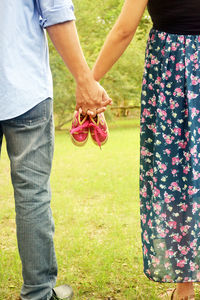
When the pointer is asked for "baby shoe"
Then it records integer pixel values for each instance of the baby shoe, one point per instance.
(80, 129)
(98, 129)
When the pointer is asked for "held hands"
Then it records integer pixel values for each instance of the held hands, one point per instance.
(91, 97)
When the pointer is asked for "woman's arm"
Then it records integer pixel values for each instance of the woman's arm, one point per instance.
(119, 37)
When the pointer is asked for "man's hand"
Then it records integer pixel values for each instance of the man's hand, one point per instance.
(91, 97)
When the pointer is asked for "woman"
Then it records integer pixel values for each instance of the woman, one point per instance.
(170, 136)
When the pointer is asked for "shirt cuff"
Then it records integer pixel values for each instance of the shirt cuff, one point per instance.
(56, 16)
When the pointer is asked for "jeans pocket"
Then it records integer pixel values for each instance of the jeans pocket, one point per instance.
(36, 115)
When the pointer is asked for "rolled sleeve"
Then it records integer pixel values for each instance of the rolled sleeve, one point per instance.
(55, 12)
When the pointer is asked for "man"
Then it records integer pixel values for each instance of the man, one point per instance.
(27, 124)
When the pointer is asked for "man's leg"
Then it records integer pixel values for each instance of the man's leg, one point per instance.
(30, 141)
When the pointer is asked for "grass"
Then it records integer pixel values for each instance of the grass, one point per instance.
(96, 210)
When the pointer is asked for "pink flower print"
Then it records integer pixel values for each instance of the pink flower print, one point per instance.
(158, 80)
(144, 81)
(192, 266)
(145, 250)
(150, 86)
(168, 139)
(167, 264)
(183, 249)
(162, 114)
(162, 86)
(194, 56)
(168, 198)
(163, 235)
(145, 236)
(193, 150)
(192, 190)
(186, 170)
(177, 237)
(163, 52)
(194, 79)
(156, 192)
(157, 208)
(154, 60)
(191, 95)
(179, 66)
(187, 156)
(150, 223)
(155, 260)
(178, 92)
(187, 133)
(177, 77)
(152, 127)
(146, 112)
(184, 206)
(163, 215)
(181, 38)
(168, 74)
(162, 167)
(175, 187)
(174, 171)
(169, 253)
(167, 151)
(195, 207)
(196, 175)
(172, 57)
(175, 160)
(150, 172)
(143, 218)
(184, 229)
(152, 101)
(195, 112)
(148, 207)
(177, 131)
(174, 48)
(172, 224)
(193, 244)
(181, 263)
(169, 122)
(182, 145)
(155, 179)
(162, 98)
(145, 152)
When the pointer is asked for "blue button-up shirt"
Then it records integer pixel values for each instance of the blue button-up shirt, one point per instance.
(25, 76)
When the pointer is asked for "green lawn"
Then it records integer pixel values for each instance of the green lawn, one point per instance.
(96, 210)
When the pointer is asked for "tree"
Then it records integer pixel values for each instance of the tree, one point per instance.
(123, 82)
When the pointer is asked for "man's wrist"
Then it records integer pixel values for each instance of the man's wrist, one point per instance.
(84, 77)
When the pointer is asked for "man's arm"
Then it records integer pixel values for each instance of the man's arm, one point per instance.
(89, 95)
(59, 22)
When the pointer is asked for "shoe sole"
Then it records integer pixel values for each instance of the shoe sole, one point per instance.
(79, 144)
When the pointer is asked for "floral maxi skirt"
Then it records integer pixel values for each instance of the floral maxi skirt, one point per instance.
(170, 158)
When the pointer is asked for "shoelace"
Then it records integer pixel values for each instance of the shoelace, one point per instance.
(79, 128)
(97, 130)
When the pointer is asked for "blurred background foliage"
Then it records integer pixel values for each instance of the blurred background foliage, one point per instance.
(94, 19)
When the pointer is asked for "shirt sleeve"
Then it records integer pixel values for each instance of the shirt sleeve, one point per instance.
(55, 11)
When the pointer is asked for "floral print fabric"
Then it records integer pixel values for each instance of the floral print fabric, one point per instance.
(170, 158)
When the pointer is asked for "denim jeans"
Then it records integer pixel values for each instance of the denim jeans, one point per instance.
(30, 143)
